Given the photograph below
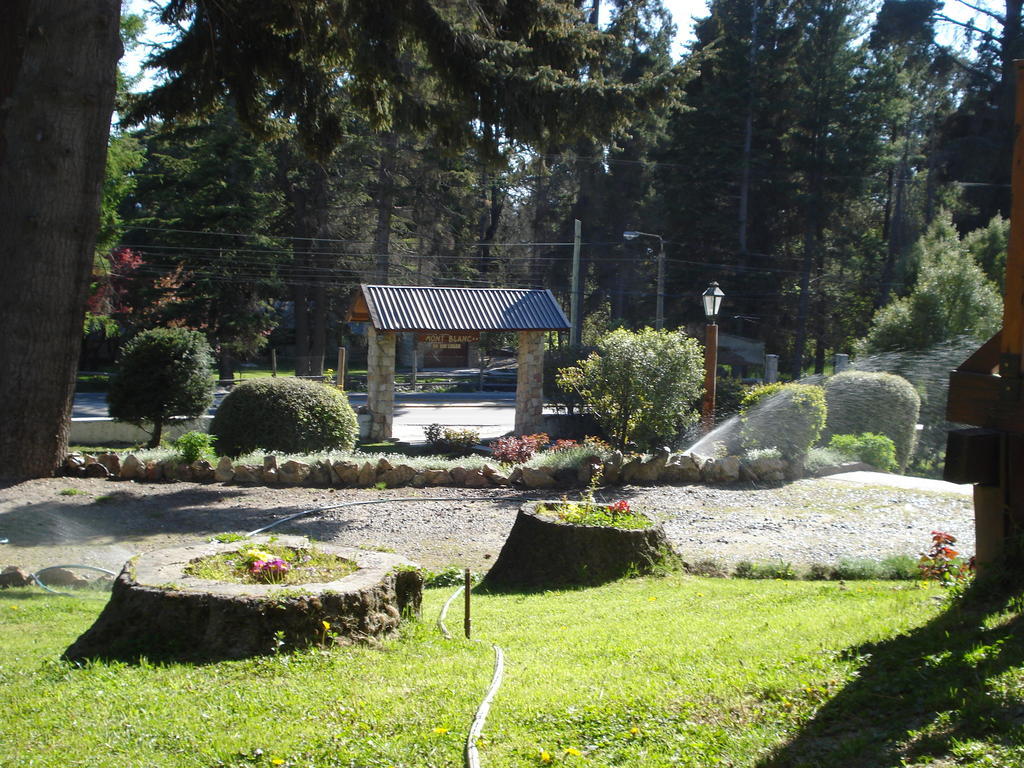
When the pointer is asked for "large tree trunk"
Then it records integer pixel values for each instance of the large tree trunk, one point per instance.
(300, 296)
(804, 300)
(385, 208)
(58, 63)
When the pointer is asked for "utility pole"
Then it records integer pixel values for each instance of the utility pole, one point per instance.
(576, 297)
(659, 309)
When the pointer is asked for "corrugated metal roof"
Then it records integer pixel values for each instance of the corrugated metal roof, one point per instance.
(415, 308)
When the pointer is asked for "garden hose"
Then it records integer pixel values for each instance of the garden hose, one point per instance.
(472, 755)
(37, 580)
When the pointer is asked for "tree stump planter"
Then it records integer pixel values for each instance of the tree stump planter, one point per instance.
(158, 611)
(543, 552)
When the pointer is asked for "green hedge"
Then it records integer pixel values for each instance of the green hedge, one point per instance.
(882, 403)
(876, 450)
(789, 417)
(284, 414)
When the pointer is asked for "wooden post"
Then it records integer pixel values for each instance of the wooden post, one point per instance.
(340, 374)
(979, 397)
(415, 362)
(710, 371)
(467, 590)
(1012, 345)
(273, 363)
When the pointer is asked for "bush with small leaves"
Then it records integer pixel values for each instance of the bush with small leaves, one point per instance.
(193, 446)
(784, 416)
(162, 375)
(289, 415)
(876, 450)
(518, 450)
(882, 403)
(450, 441)
(640, 385)
(745, 569)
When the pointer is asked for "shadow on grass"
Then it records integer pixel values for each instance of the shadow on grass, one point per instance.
(917, 696)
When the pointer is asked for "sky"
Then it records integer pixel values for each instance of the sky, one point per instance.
(683, 12)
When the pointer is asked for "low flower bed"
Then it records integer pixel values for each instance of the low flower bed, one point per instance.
(234, 599)
(589, 512)
(271, 564)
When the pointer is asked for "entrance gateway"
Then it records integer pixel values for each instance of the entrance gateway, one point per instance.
(455, 313)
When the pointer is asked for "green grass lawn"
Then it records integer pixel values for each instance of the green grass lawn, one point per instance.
(673, 671)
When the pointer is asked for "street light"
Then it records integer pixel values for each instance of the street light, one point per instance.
(659, 308)
(712, 299)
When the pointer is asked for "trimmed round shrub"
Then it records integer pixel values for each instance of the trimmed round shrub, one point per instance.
(163, 374)
(882, 403)
(789, 417)
(876, 450)
(284, 414)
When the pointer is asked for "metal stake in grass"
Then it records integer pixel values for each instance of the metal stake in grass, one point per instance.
(467, 621)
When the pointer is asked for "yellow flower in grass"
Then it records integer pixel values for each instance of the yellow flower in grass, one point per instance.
(327, 625)
(634, 731)
(439, 729)
(572, 751)
(545, 756)
(277, 761)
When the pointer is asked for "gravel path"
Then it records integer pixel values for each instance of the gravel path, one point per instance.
(96, 522)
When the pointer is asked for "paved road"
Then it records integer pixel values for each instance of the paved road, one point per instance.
(490, 413)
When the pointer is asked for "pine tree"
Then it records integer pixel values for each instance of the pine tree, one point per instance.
(205, 212)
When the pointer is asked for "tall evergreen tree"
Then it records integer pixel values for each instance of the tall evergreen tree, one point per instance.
(832, 144)
(205, 212)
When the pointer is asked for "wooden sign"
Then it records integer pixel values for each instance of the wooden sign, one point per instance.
(448, 340)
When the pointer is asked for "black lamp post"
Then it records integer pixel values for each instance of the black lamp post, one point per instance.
(712, 299)
(659, 309)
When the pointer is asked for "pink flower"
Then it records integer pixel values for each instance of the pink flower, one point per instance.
(269, 570)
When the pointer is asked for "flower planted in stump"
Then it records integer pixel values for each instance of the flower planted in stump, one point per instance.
(263, 566)
(589, 512)
(270, 571)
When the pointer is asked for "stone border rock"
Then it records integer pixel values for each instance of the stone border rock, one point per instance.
(664, 468)
(543, 552)
(159, 612)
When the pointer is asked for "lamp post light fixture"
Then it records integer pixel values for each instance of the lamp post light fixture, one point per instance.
(712, 299)
(659, 309)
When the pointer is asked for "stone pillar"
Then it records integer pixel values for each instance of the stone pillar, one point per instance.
(771, 369)
(380, 383)
(842, 363)
(530, 383)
